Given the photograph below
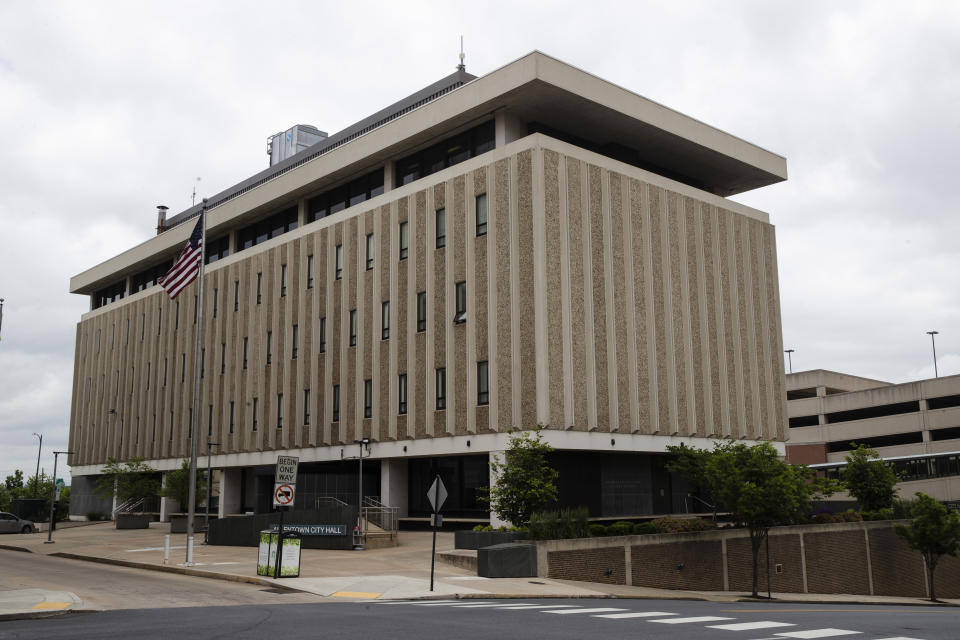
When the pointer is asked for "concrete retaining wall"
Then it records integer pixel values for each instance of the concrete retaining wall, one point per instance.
(865, 558)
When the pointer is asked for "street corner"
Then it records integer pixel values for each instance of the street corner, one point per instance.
(18, 604)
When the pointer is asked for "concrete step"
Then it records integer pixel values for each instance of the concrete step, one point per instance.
(463, 558)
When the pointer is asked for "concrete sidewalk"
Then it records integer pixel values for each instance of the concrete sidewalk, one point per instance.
(388, 573)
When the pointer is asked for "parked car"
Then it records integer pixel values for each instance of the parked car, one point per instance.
(10, 523)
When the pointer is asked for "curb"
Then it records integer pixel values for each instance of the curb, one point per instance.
(9, 547)
(198, 573)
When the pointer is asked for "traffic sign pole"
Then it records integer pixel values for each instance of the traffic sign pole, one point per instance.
(276, 569)
(433, 550)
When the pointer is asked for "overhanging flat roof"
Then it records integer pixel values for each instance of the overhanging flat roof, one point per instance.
(535, 88)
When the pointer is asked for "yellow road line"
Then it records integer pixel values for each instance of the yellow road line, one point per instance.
(355, 594)
(50, 606)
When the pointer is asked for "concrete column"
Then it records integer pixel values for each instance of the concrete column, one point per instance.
(507, 127)
(494, 456)
(388, 175)
(393, 485)
(230, 498)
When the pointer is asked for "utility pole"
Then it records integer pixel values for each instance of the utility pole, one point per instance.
(53, 494)
(36, 484)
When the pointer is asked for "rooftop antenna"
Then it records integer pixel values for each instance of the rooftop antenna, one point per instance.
(193, 197)
(461, 66)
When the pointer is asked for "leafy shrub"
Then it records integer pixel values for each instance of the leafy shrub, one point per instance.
(681, 525)
(879, 514)
(845, 516)
(573, 522)
(903, 508)
(479, 527)
(543, 525)
(620, 528)
(597, 530)
(95, 516)
(645, 528)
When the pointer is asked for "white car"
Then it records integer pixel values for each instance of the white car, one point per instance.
(10, 523)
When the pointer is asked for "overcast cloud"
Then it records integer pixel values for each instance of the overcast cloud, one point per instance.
(110, 108)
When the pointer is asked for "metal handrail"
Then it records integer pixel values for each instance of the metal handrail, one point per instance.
(330, 501)
(380, 515)
(129, 505)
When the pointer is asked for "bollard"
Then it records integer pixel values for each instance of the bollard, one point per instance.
(166, 549)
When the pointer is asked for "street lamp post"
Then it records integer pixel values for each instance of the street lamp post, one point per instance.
(206, 515)
(36, 484)
(789, 353)
(53, 494)
(933, 343)
(363, 442)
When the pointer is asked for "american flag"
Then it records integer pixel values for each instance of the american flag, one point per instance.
(187, 266)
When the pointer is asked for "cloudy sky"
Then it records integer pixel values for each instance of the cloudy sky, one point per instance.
(110, 108)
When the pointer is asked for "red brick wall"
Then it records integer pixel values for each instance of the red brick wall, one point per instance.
(784, 550)
(657, 565)
(606, 564)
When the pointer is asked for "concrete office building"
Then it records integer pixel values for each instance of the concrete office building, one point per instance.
(536, 245)
(914, 425)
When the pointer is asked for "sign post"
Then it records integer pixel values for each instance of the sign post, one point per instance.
(284, 492)
(436, 494)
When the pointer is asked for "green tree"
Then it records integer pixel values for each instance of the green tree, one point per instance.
(14, 481)
(525, 480)
(178, 485)
(130, 480)
(869, 479)
(758, 488)
(934, 531)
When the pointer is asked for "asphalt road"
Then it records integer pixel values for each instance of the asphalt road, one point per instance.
(503, 619)
(107, 587)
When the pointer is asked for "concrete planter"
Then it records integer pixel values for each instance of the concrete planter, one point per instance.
(178, 523)
(480, 539)
(133, 520)
(513, 560)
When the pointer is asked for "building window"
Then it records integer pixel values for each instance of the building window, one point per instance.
(246, 342)
(275, 225)
(441, 388)
(404, 241)
(483, 388)
(236, 295)
(345, 195)
(269, 346)
(259, 287)
(283, 280)
(402, 394)
(421, 311)
(159, 324)
(215, 305)
(338, 266)
(143, 319)
(171, 426)
(210, 421)
(231, 416)
(279, 411)
(148, 374)
(323, 335)
(218, 249)
(482, 215)
(153, 432)
(385, 320)
(255, 412)
(183, 367)
(310, 271)
(164, 372)
(441, 228)
(353, 327)
(336, 403)
(306, 406)
(196, 311)
(367, 398)
(461, 312)
(203, 362)
(176, 322)
(369, 251)
(295, 340)
(223, 358)
(445, 153)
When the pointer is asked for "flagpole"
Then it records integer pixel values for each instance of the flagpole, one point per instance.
(194, 420)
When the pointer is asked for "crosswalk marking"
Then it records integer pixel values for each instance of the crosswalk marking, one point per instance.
(521, 607)
(595, 610)
(749, 626)
(816, 633)
(635, 614)
(694, 619)
(445, 603)
(477, 606)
